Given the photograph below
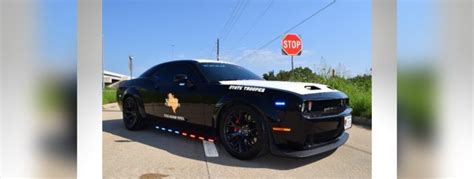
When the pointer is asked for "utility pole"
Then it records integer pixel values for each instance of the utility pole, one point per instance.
(217, 49)
(130, 65)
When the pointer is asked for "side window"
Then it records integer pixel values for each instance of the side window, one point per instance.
(166, 73)
(187, 70)
(150, 72)
(163, 74)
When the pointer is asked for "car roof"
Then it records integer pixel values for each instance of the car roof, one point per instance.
(201, 61)
(210, 61)
(146, 73)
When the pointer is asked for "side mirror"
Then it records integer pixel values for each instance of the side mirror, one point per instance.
(182, 80)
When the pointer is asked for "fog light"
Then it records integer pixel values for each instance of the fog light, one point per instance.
(347, 122)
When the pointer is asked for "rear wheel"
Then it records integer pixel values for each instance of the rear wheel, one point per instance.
(243, 133)
(132, 118)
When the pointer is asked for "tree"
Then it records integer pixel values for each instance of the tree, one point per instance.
(270, 76)
(299, 74)
(303, 74)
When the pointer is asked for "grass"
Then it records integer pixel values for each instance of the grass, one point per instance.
(358, 90)
(109, 96)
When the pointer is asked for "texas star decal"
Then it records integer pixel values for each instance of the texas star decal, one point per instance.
(172, 102)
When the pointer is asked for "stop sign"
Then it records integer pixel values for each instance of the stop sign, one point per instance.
(291, 44)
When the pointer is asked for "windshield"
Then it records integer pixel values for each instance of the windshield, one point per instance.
(222, 72)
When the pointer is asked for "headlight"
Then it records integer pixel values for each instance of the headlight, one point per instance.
(307, 106)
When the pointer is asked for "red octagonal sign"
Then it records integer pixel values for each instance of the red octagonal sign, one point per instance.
(291, 44)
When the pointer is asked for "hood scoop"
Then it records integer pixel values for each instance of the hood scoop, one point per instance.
(311, 87)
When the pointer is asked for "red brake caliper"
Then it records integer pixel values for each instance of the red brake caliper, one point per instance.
(236, 128)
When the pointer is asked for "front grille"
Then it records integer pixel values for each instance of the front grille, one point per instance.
(312, 139)
(316, 138)
(319, 108)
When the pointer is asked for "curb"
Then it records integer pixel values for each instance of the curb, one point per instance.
(362, 121)
(110, 105)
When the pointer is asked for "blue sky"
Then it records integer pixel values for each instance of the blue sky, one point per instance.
(148, 30)
(416, 32)
(57, 33)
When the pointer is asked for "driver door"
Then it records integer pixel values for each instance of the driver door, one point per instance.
(180, 89)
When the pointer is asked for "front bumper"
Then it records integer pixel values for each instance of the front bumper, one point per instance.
(319, 149)
(308, 135)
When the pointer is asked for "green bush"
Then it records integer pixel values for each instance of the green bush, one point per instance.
(359, 88)
(416, 95)
(109, 96)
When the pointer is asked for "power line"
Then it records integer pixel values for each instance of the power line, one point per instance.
(257, 20)
(301, 22)
(231, 17)
(226, 24)
(254, 24)
(290, 29)
(239, 14)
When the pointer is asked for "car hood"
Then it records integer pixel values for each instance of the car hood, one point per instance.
(295, 87)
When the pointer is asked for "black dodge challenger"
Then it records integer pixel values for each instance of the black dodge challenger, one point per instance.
(204, 99)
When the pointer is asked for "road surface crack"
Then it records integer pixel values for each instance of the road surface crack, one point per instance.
(355, 148)
(207, 166)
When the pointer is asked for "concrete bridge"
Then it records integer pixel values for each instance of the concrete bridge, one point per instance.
(111, 79)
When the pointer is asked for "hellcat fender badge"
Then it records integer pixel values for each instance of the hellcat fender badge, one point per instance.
(172, 102)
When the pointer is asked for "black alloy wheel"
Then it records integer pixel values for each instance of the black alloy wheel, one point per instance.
(131, 115)
(243, 133)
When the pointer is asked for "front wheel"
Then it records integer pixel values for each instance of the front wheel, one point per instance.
(243, 133)
(132, 118)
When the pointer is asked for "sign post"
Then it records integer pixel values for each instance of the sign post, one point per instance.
(291, 45)
(292, 63)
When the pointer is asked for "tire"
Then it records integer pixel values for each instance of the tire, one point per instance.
(243, 132)
(132, 118)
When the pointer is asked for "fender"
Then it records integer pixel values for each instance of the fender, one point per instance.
(132, 91)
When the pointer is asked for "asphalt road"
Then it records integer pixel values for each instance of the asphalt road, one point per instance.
(155, 154)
